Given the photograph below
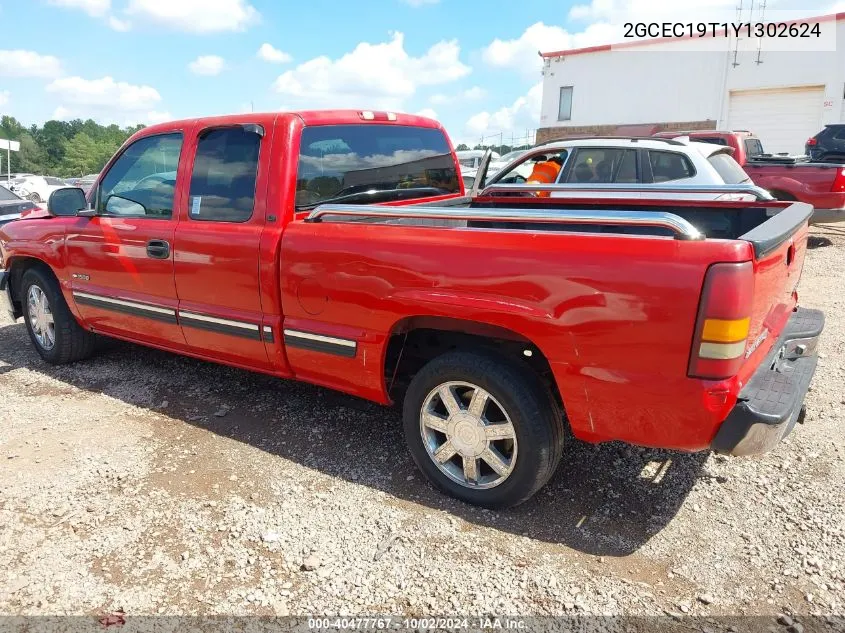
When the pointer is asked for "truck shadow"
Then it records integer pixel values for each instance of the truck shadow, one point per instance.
(603, 500)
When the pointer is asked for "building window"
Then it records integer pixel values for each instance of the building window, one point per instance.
(564, 111)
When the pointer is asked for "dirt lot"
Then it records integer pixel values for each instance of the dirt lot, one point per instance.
(153, 484)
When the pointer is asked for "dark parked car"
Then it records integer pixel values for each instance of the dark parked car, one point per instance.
(12, 205)
(828, 145)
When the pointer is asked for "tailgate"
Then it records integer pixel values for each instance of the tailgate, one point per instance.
(779, 245)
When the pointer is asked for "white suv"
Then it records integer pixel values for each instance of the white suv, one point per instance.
(36, 188)
(630, 161)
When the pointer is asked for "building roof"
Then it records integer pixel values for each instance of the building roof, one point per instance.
(645, 42)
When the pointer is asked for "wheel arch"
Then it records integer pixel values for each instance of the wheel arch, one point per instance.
(415, 340)
(780, 194)
(17, 266)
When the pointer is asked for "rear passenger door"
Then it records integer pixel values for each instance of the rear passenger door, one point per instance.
(601, 165)
(217, 245)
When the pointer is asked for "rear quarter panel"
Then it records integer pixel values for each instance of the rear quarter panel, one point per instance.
(614, 315)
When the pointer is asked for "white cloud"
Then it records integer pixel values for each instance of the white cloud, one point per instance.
(428, 112)
(420, 3)
(153, 117)
(104, 92)
(522, 53)
(523, 113)
(21, 63)
(270, 54)
(371, 76)
(470, 94)
(4, 97)
(103, 99)
(209, 65)
(196, 16)
(118, 24)
(61, 113)
(94, 8)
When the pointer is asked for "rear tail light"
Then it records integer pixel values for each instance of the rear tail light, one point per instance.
(839, 181)
(721, 330)
(812, 141)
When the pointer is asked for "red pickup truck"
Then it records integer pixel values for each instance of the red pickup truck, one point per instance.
(785, 177)
(497, 321)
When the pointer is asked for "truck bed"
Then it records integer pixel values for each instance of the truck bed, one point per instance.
(610, 300)
(752, 222)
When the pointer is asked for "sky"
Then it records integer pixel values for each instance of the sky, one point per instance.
(474, 66)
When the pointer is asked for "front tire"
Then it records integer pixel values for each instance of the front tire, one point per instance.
(54, 331)
(34, 197)
(482, 428)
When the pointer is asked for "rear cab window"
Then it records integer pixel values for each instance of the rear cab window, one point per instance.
(753, 147)
(373, 163)
(713, 140)
(728, 169)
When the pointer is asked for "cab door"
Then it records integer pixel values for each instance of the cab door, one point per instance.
(217, 245)
(121, 260)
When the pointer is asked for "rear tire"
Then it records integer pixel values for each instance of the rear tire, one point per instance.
(34, 197)
(57, 336)
(502, 452)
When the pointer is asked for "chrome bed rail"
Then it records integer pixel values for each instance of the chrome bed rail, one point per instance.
(758, 192)
(682, 229)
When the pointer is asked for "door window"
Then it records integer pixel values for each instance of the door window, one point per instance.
(626, 172)
(598, 164)
(223, 182)
(142, 181)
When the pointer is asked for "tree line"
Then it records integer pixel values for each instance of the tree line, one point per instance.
(62, 148)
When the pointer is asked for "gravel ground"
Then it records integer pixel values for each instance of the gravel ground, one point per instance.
(151, 484)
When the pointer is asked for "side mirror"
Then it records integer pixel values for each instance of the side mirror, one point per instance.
(67, 201)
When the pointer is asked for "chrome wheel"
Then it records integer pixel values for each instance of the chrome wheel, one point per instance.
(468, 435)
(41, 318)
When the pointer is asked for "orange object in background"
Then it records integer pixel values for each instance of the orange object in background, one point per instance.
(545, 173)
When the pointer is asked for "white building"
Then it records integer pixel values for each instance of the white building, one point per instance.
(644, 86)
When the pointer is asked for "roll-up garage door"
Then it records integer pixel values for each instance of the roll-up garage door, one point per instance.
(783, 118)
